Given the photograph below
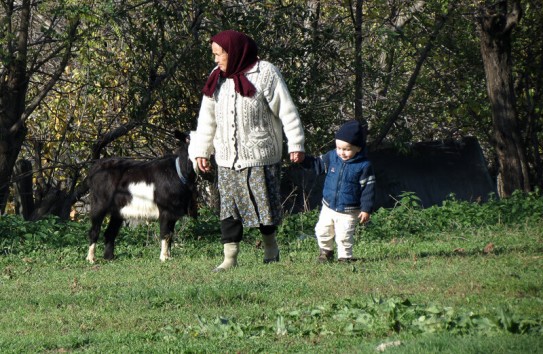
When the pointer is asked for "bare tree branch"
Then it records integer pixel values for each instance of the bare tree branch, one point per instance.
(34, 103)
(413, 78)
(514, 16)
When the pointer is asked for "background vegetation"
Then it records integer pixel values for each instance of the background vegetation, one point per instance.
(83, 80)
(462, 278)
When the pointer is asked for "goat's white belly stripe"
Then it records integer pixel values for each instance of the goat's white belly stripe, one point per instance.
(142, 204)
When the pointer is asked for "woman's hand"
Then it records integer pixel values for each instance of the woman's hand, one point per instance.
(203, 164)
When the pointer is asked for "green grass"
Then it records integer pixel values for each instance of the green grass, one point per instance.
(432, 289)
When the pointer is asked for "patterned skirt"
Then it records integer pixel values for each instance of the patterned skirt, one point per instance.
(251, 195)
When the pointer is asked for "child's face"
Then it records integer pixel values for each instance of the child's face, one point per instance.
(346, 151)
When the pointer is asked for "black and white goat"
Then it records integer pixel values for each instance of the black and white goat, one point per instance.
(162, 189)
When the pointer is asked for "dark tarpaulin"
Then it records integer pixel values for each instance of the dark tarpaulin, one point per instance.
(431, 170)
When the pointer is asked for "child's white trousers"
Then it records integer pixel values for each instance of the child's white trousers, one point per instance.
(340, 226)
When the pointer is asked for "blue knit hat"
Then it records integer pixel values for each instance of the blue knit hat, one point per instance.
(352, 132)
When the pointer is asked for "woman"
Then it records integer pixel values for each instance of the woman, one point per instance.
(245, 109)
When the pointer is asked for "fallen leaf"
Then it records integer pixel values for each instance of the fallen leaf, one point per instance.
(488, 248)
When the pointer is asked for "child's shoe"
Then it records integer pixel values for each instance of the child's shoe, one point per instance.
(325, 256)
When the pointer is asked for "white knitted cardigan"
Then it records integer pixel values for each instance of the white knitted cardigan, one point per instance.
(248, 131)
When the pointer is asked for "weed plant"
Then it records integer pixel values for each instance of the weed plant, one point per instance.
(457, 278)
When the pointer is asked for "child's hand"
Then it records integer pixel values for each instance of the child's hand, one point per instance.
(297, 157)
(364, 217)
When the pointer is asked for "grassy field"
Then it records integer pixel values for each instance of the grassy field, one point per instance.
(462, 278)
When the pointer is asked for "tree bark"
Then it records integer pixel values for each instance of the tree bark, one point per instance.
(12, 102)
(495, 24)
(23, 194)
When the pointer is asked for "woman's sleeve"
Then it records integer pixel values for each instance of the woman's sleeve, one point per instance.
(201, 143)
(283, 106)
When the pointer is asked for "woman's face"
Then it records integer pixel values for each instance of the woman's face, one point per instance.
(221, 57)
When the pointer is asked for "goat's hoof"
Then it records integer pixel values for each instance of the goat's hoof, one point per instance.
(272, 260)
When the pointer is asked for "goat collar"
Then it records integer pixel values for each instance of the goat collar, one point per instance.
(179, 173)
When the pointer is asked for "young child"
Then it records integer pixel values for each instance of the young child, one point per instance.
(349, 191)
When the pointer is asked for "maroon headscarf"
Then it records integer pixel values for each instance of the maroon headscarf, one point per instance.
(242, 56)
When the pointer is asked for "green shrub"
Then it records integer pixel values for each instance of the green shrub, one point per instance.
(409, 219)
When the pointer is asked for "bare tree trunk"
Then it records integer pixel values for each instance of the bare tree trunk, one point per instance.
(496, 23)
(23, 194)
(359, 69)
(12, 102)
(10, 146)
